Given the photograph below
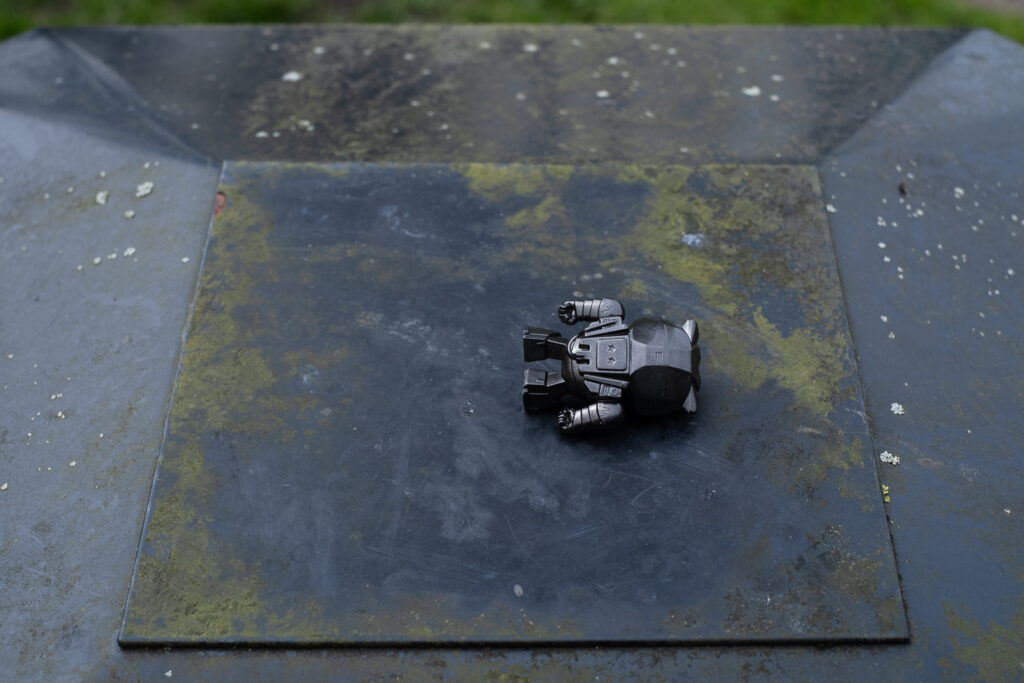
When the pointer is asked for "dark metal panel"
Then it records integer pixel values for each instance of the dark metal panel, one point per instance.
(929, 231)
(652, 94)
(348, 459)
(50, 78)
(92, 311)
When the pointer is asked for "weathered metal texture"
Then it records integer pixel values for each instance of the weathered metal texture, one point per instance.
(91, 311)
(651, 94)
(77, 101)
(348, 459)
(929, 232)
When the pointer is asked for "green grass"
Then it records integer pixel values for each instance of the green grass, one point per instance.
(21, 15)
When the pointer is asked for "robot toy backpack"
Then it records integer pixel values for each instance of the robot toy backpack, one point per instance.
(651, 367)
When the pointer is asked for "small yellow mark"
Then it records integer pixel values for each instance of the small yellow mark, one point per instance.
(885, 492)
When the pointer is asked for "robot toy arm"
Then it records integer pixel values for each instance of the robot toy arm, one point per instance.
(589, 310)
(594, 417)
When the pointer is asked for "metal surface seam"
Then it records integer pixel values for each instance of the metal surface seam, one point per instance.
(170, 399)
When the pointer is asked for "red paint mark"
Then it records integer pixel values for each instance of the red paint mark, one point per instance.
(219, 203)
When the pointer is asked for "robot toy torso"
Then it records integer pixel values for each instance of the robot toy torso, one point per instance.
(650, 367)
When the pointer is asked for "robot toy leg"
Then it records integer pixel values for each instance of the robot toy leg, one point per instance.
(540, 344)
(542, 390)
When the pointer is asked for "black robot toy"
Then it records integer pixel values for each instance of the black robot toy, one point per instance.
(651, 367)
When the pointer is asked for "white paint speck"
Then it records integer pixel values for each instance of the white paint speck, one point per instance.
(884, 318)
(521, 96)
(185, 259)
(73, 463)
(130, 251)
(169, 673)
(101, 197)
(830, 208)
(292, 77)
(752, 91)
(1011, 271)
(129, 214)
(888, 457)
(896, 408)
(97, 260)
(613, 60)
(484, 45)
(518, 590)
(602, 94)
(881, 245)
(773, 98)
(262, 134)
(777, 78)
(530, 47)
(71, 189)
(958, 192)
(694, 239)
(306, 125)
(144, 189)
(3, 486)
(318, 49)
(639, 35)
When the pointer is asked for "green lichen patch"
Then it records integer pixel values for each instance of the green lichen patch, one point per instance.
(745, 235)
(993, 652)
(497, 182)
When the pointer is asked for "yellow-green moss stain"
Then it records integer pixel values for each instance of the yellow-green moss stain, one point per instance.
(535, 232)
(193, 589)
(738, 210)
(192, 585)
(496, 182)
(993, 653)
